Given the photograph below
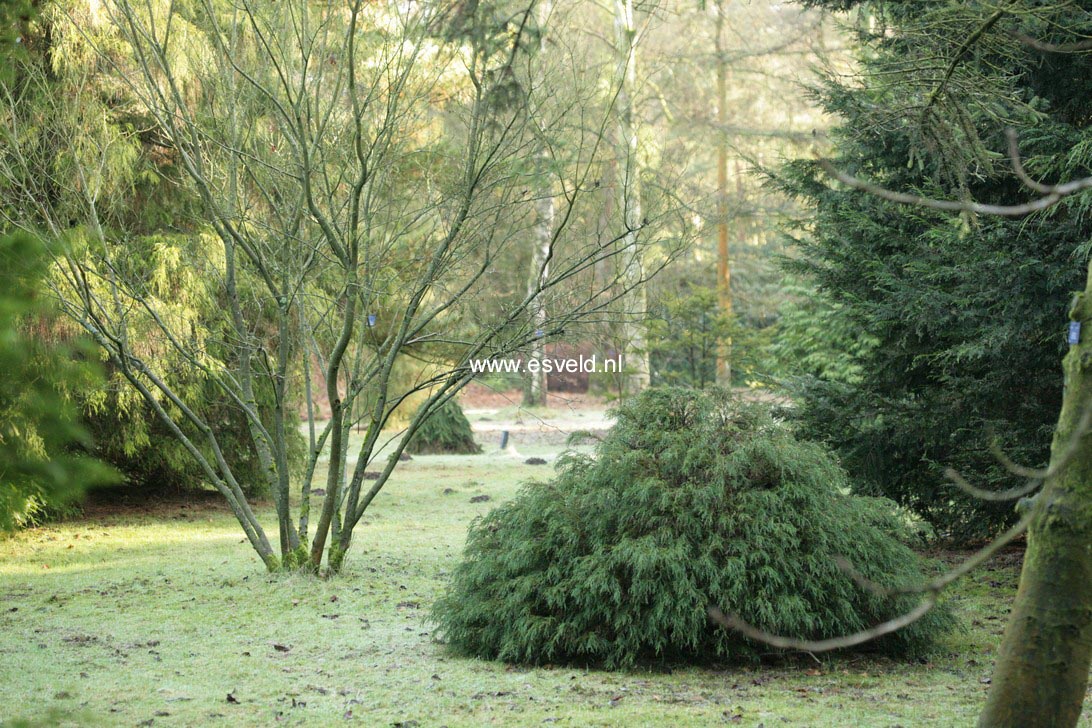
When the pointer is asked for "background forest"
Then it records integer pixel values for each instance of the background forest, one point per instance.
(254, 253)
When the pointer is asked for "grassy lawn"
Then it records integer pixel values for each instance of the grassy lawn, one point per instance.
(164, 617)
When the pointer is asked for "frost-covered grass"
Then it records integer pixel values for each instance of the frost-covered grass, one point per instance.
(155, 616)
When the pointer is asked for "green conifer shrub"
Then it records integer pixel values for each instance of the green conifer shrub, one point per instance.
(692, 499)
(153, 461)
(43, 448)
(445, 431)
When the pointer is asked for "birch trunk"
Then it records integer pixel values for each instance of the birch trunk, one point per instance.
(535, 383)
(636, 304)
(535, 389)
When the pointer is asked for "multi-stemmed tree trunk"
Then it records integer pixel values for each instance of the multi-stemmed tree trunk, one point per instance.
(1041, 674)
(340, 230)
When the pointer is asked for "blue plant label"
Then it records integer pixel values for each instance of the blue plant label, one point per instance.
(371, 319)
(1074, 333)
(538, 333)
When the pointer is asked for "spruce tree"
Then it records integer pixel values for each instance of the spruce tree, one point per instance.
(43, 460)
(966, 315)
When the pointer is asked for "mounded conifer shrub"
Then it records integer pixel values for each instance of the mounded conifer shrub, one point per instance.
(445, 431)
(692, 499)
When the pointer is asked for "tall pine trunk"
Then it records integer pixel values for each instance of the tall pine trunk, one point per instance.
(1042, 667)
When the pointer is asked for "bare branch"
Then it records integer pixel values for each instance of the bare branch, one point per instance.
(1040, 45)
(1058, 460)
(942, 582)
(960, 53)
(736, 624)
(990, 495)
(1060, 457)
(1052, 197)
(932, 591)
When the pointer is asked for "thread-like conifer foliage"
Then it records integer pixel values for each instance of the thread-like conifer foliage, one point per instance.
(692, 499)
(445, 431)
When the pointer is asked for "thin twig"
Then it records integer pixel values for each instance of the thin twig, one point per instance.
(964, 48)
(991, 495)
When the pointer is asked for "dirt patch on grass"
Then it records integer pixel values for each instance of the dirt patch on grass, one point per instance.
(135, 501)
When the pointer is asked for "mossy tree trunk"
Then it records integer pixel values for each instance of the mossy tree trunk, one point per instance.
(1042, 668)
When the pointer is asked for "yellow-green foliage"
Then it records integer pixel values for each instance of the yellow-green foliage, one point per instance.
(180, 274)
(39, 427)
(692, 500)
(111, 196)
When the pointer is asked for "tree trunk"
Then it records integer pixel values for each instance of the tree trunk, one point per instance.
(535, 386)
(1042, 667)
(724, 271)
(633, 326)
(535, 383)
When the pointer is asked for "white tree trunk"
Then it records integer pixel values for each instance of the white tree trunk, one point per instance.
(535, 384)
(636, 304)
(535, 390)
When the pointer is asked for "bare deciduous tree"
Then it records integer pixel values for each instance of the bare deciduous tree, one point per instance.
(361, 176)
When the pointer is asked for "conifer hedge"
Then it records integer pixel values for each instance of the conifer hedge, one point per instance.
(692, 499)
